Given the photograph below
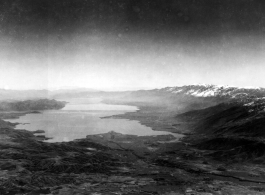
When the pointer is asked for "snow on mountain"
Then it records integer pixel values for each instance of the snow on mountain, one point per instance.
(252, 98)
(215, 90)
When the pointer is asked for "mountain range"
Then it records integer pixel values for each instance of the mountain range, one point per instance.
(192, 97)
(180, 98)
(229, 121)
(220, 143)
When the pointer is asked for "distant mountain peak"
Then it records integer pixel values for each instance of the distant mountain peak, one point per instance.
(252, 98)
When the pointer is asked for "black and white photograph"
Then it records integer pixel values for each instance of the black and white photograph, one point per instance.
(132, 97)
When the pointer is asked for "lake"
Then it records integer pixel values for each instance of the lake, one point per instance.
(81, 117)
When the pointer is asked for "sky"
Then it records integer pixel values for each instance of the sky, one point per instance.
(131, 44)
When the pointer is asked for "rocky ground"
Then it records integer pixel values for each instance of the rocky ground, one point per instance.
(114, 163)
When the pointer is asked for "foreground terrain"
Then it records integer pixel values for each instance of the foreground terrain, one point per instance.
(113, 163)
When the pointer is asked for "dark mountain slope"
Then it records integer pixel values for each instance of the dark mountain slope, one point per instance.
(42, 104)
(230, 131)
(226, 119)
(234, 149)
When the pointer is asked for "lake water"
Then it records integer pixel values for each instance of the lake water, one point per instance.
(81, 117)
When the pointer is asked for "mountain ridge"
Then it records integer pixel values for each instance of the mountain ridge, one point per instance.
(214, 90)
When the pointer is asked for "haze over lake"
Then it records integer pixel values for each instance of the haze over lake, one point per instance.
(81, 117)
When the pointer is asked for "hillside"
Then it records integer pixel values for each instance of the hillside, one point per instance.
(226, 119)
(231, 131)
(222, 152)
(192, 97)
(28, 105)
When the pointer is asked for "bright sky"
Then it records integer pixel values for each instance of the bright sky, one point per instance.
(124, 63)
(150, 56)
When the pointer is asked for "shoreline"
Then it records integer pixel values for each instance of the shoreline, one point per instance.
(125, 113)
(114, 162)
(151, 117)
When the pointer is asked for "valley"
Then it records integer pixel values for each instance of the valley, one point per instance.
(221, 150)
(132, 97)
